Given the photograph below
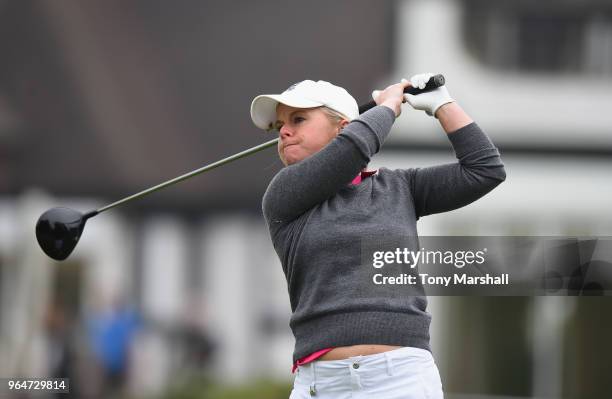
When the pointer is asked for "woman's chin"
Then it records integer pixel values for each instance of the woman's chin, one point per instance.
(292, 156)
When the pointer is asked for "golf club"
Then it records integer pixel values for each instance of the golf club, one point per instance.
(58, 230)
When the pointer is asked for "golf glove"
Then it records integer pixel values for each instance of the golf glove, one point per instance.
(430, 101)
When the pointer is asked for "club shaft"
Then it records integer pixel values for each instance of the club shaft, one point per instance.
(190, 174)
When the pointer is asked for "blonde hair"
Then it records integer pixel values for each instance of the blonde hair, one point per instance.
(333, 115)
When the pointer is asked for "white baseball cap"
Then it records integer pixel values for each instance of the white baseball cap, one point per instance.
(305, 94)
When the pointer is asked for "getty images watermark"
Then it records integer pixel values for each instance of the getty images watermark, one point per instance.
(457, 259)
(489, 266)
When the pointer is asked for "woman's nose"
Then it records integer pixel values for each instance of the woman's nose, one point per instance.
(285, 131)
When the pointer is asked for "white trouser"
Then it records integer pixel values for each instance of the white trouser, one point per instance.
(404, 373)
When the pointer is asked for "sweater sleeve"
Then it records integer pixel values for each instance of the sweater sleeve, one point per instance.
(443, 188)
(297, 188)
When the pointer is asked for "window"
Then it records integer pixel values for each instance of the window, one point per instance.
(558, 37)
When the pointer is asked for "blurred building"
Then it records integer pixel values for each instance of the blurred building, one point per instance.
(101, 99)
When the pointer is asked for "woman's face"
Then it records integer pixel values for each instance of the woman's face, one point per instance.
(303, 132)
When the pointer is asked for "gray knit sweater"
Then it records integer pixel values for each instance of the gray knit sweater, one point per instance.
(324, 229)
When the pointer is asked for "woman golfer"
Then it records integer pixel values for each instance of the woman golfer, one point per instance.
(354, 338)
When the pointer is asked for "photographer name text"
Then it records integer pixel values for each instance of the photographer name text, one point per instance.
(455, 279)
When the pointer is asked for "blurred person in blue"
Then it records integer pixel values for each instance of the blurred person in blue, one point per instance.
(111, 331)
(353, 337)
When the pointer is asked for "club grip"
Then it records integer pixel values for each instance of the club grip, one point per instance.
(433, 83)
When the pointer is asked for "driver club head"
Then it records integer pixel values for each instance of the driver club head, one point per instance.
(58, 231)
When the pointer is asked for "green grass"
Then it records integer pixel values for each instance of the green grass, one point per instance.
(206, 389)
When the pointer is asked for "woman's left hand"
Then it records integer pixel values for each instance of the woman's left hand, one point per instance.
(392, 97)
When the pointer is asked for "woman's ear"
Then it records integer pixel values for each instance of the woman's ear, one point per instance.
(342, 124)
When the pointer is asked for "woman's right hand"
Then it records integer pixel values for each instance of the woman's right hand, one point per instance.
(392, 97)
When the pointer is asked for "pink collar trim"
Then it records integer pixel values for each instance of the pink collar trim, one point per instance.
(363, 175)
